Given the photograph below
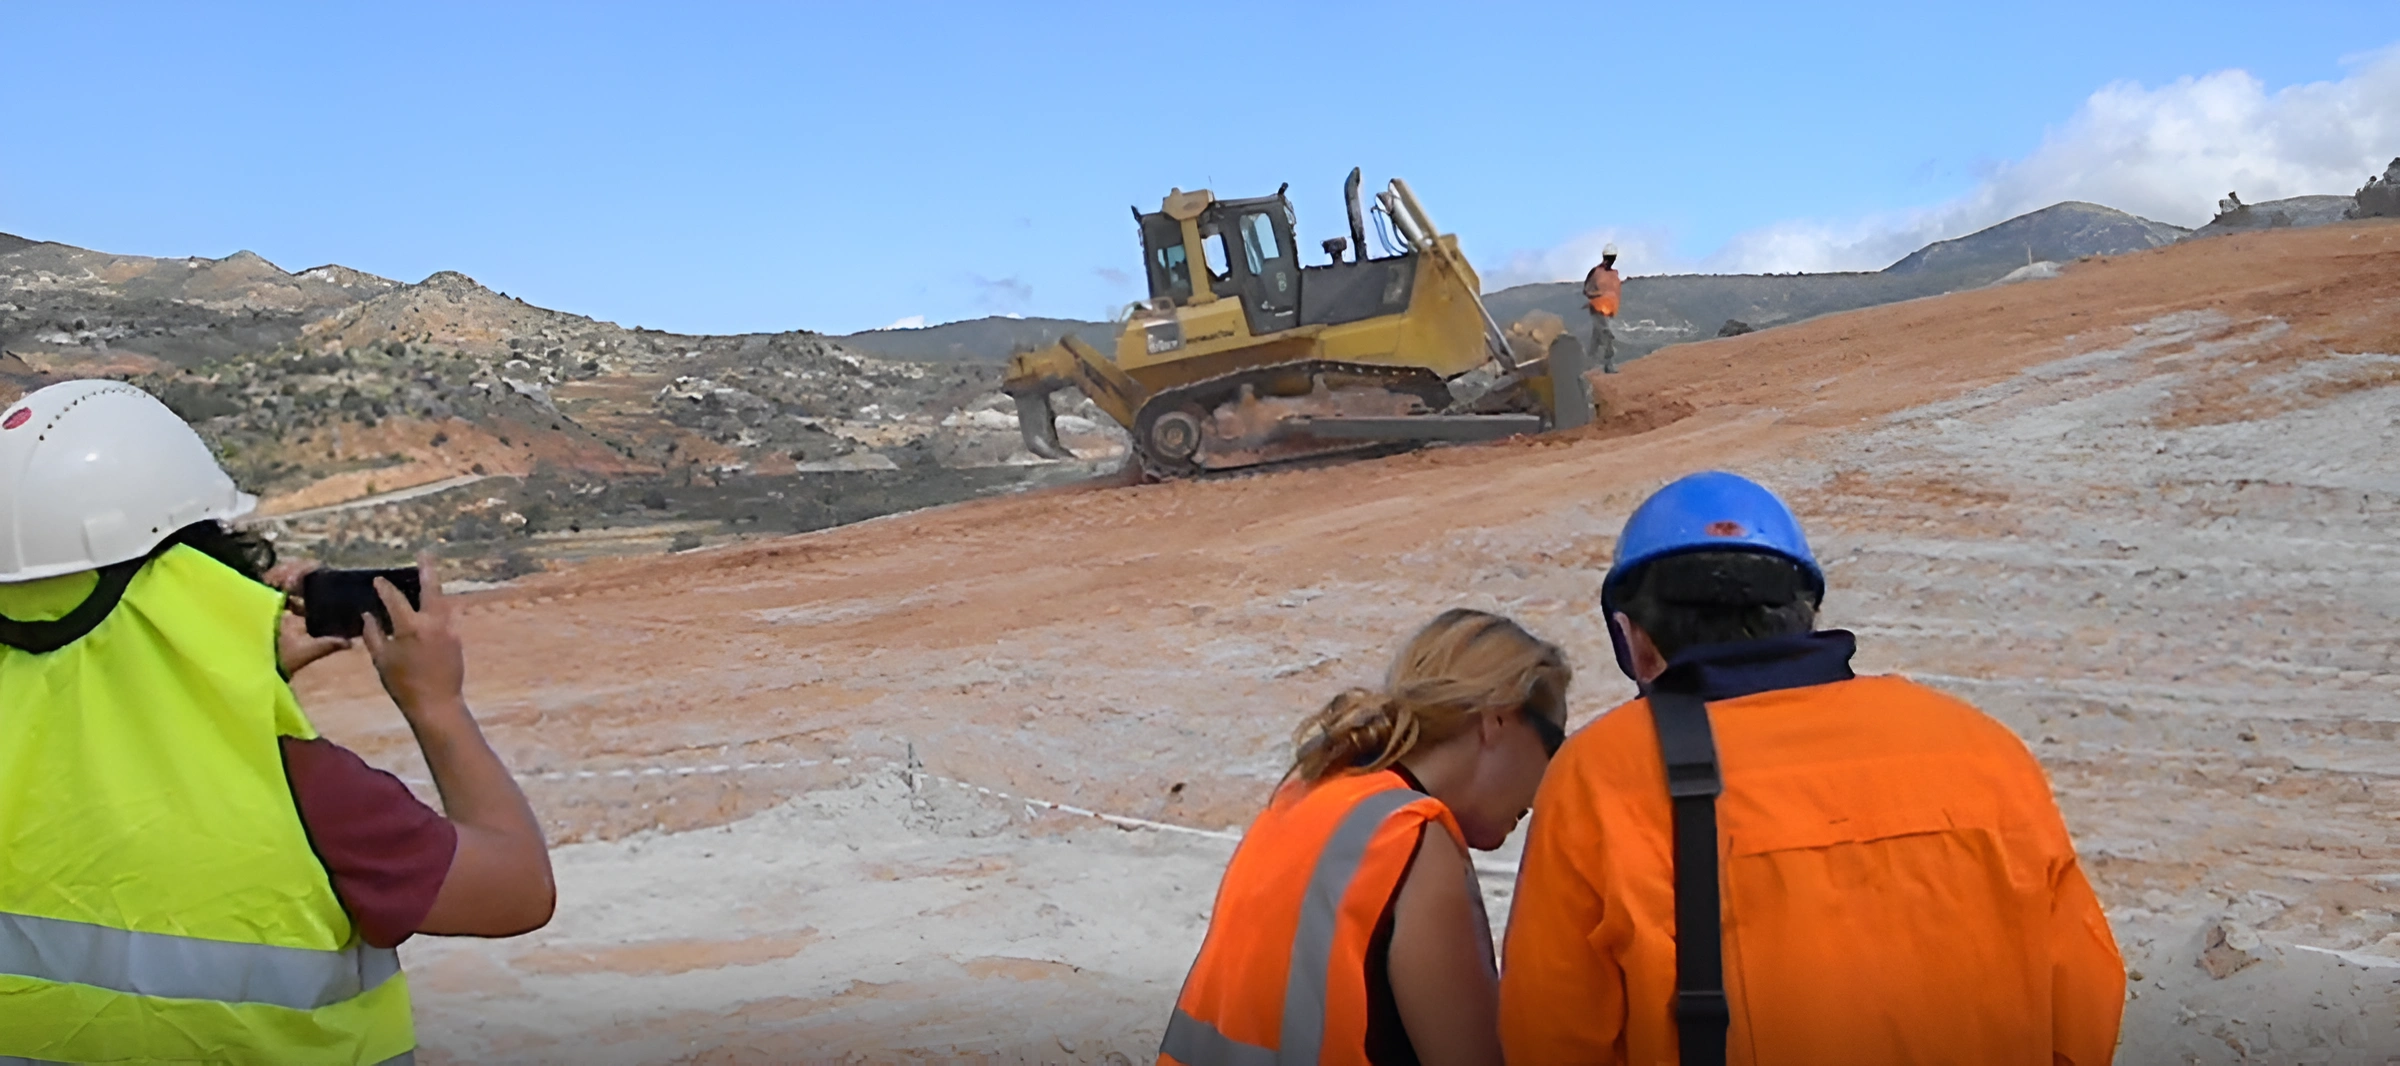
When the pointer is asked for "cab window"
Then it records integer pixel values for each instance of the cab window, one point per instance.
(1258, 240)
(1171, 266)
(1162, 243)
(1213, 247)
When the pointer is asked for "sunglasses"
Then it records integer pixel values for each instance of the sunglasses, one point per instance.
(1553, 734)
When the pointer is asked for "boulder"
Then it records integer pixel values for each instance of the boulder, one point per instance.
(2380, 197)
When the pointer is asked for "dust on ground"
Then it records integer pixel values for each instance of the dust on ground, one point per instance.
(2141, 513)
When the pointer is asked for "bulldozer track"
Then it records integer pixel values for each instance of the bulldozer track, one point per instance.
(1207, 394)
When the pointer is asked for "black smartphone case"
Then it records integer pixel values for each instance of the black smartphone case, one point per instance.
(338, 601)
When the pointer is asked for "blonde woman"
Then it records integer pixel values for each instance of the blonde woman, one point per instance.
(1349, 927)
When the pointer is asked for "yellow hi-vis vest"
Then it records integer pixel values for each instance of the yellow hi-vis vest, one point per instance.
(158, 898)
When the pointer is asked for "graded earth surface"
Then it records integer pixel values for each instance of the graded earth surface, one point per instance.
(806, 792)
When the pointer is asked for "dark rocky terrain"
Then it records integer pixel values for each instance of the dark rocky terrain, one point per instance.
(2380, 196)
(2277, 214)
(547, 434)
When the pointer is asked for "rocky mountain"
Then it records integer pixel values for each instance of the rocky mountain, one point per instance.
(344, 397)
(136, 310)
(2058, 233)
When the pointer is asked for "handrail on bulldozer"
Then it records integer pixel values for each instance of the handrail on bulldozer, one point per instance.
(1416, 227)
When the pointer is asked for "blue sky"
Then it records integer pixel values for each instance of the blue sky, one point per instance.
(722, 168)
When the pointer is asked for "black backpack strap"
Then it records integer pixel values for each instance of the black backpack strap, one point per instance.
(42, 638)
(1689, 749)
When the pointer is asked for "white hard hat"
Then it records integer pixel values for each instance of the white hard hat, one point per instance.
(1608, 250)
(99, 472)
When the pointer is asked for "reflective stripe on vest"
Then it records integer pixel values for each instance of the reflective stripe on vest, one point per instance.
(1195, 1042)
(182, 967)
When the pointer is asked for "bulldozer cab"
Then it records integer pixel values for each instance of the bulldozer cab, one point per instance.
(1245, 247)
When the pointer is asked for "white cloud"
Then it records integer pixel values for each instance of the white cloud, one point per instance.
(2166, 153)
(911, 322)
(1638, 252)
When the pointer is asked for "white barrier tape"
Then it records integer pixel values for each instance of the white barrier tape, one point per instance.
(657, 771)
(1483, 868)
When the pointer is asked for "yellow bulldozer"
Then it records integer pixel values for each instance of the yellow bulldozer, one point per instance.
(1242, 356)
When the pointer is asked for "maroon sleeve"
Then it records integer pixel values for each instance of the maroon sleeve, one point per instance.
(387, 852)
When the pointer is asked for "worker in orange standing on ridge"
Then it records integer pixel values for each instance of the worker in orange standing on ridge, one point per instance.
(1350, 928)
(1768, 859)
(1601, 289)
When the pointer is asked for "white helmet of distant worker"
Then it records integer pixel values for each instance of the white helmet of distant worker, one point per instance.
(1609, 250)
(94, 473)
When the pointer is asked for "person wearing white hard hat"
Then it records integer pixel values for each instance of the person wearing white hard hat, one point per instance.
(192, 874)
(1601, 290)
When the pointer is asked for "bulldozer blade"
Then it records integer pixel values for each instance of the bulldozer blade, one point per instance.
(1419, 427)
(1570, 392)
(1039, 424)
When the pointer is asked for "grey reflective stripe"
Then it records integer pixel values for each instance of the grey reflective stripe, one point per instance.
(1196, 1043)
(405, 1058)
(1320, 917)
(182, 967)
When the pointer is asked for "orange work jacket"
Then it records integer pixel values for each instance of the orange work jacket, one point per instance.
(1282, 976)
(1601, 288)
(1897, 886)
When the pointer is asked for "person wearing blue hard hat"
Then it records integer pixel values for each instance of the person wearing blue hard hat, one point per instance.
(1723, 548)
(1768, 853)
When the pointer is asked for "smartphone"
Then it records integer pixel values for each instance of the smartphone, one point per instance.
(339, 600)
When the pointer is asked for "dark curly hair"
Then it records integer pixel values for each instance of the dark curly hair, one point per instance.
(243, 551)
(1702, 598)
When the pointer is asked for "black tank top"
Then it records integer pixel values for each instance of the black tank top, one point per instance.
(1387, 1038)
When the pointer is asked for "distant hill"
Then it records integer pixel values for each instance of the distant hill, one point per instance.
(978, 339)
(2058, 233)
(179, 312)
(1660, 310)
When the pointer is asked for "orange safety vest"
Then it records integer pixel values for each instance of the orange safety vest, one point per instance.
(1897, 886)
(1601, 287)
(1282, 978)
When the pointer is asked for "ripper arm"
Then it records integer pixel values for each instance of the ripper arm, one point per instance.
(1034, 375)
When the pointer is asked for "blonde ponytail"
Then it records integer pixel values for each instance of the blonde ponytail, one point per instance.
(1461, 664)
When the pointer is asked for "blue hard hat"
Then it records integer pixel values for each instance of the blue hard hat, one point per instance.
(1711, 511)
